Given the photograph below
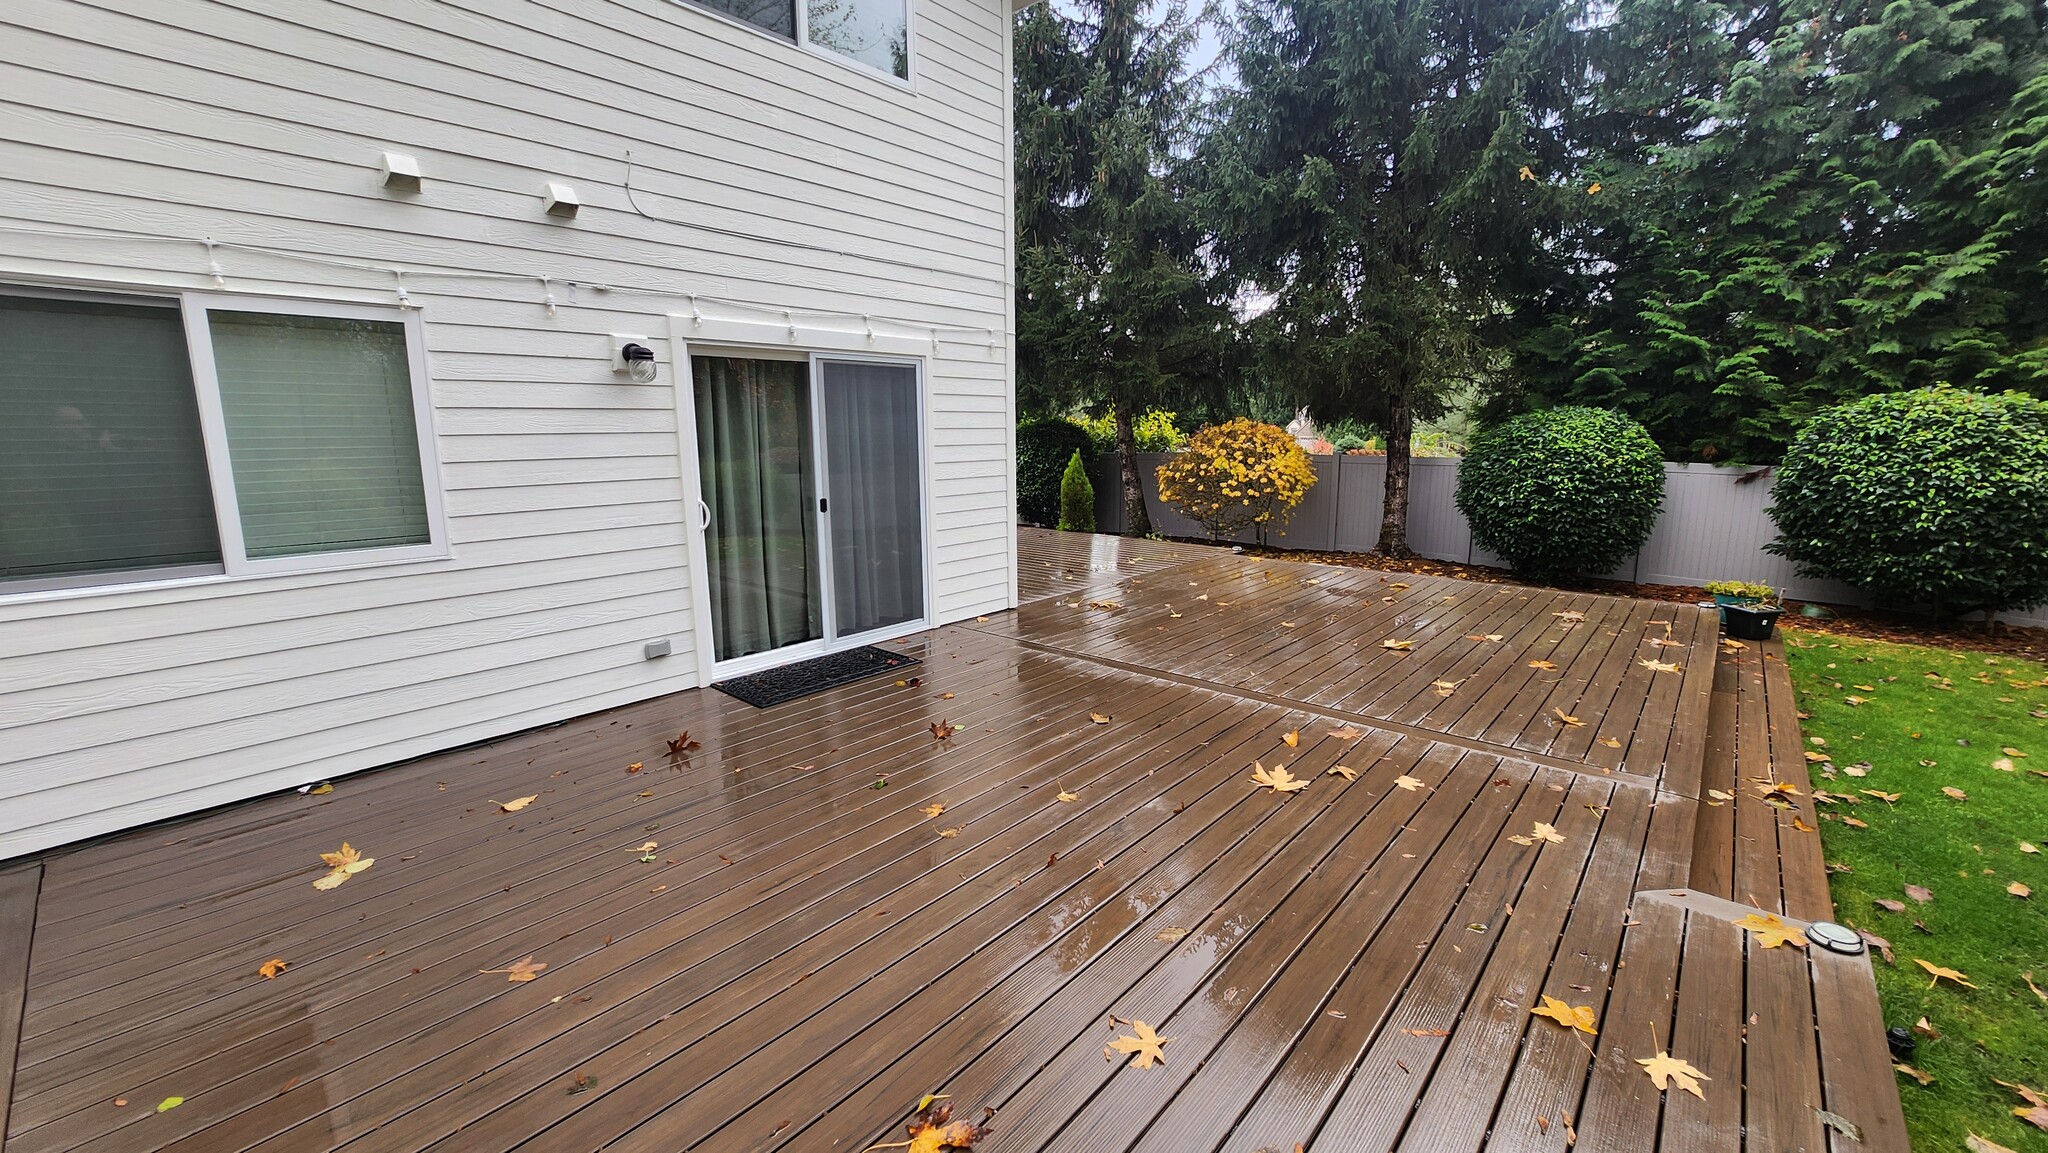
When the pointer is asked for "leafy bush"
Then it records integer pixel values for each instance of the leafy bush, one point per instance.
(1562, 492)
(1752, 589)
(1236, 475)
(1154, 430)
(1077, 497)
(1043, 447)
(1936, 497)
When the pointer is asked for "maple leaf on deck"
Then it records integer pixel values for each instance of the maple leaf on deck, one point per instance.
(1099, 718)
(1145, 1046)
(1068, 797)
(943, 729)
(1771, 932)
(271, 968)
(342, 865)
(1443, 688)
(1942, 971)
(1567, 719)
(1348, 774)
(933, 1129)
(1546, 666)
(524, 969)
(1660, 666)
(1347, 733)
(1578, 1017)
(1402, 646)
(1292, 737)
(1409, 783)
(1666, 1070)
(682, 743)
(516, 803)
(1570, 616)
(934, 809)
(1277, 778)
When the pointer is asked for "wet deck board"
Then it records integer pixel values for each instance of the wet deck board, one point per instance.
(1346, 967)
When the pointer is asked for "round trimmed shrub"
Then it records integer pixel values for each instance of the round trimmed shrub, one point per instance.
(1563, 492)
(1043, 449)
(1237, 475)
(1935, 498)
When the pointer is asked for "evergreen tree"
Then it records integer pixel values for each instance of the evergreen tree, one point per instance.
(1375, 177)
(1805, 201)
(1114, 303)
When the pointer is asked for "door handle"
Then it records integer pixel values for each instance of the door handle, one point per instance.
(703, 514)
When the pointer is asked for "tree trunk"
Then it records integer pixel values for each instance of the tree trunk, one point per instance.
(1137, 522)
(1394, 512)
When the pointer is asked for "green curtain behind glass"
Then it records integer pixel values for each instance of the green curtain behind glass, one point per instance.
(754, 454)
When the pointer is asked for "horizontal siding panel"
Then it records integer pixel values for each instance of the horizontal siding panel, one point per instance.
(196, 697)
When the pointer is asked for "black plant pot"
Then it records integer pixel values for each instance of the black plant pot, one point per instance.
(1751, 622)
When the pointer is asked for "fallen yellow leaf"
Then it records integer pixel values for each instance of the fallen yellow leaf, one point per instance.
(1408, 783)
(1390, 643)
(1277, 778)
(1546, 666)
(1567, 719)
(342, 865)
(1099, 718)
(1146, 1046)
(2019, 890)
(271, 968)
(169, 1103)
(1666, 1070)
(516, 804)
(1341, 771)
(953, 832)
(1293, 738)
(524, 969)
(1940, 972)
(1771, 932)
(1578, 1017)
(934, 809)
(1660, 666)
(1067, 796)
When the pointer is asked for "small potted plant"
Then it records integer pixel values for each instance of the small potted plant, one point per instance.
(1749, 611)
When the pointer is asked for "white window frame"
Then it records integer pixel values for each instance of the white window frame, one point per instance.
(193, 309)
(803, 40)
(197, 307)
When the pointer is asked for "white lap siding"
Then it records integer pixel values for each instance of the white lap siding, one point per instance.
(764, 178)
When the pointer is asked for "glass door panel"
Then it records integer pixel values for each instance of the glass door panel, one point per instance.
(874, 493)
(755, 457)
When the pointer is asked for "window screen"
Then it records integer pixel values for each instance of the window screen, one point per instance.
(101, 465)
(319, 414)
(777, 16)
(874, 32)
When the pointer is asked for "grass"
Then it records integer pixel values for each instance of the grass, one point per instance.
(1922, 719)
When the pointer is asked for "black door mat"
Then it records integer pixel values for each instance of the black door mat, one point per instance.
(791, 682)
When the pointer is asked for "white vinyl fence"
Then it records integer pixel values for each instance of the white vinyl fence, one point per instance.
(1713, 526)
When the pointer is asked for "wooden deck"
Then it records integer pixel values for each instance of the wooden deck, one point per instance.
(1349, 967)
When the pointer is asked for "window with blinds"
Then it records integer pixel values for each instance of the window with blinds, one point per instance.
(128, 426)
(320, 430)
(102, 465)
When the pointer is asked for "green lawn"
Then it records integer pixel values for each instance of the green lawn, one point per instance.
(1922, 719)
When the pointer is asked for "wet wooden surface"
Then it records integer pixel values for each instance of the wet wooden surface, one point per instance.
(813, 947)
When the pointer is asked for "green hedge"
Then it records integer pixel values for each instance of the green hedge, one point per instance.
(1564, 492)
(1935, 498)
(1043, 449)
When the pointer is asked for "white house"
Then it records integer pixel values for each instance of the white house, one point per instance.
(378, 376)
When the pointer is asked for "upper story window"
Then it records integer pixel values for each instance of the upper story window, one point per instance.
(149, 438)
(874, 32)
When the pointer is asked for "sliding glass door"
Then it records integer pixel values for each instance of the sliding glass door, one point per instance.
(875, 505)
(813, 515)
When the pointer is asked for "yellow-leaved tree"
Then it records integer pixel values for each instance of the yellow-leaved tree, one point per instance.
(1236, 475)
